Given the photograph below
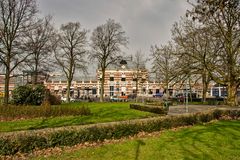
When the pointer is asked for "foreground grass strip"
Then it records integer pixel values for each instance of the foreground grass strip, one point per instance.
(216, 141)
(11, 143)
(100, 112)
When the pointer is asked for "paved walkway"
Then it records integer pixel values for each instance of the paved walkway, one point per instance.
(183, 109)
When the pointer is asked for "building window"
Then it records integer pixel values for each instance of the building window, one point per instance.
(94, 91)
(111, 90)
(123, 79)
(71, 92)
(134, 91)
(150, 91)
(64, 91)
(111, 78)
(100, 78)
(78, 93)
(144, 90)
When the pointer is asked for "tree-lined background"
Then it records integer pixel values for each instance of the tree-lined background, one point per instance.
(205, 46)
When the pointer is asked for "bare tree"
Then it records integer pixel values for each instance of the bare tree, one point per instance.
(195, 46)
(39, 43)
(139, 62)
(164, 65)
(107, 40)
(223, 20)
(15, 20)
(70, 51)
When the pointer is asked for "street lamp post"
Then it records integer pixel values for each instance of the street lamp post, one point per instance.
(186, 101)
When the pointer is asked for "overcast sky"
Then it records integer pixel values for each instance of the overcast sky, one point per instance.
(146, 22)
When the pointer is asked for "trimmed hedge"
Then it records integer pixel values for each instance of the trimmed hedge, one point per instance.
(46, 110)
(148, 108)
(11, 143)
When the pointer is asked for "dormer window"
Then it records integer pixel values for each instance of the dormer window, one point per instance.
(100, 77)
(123, 64)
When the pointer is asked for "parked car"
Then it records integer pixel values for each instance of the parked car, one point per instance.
(119, 98)
(114, 99)
(64, 99)
(123, 98)
(132, 96)
(158, 95)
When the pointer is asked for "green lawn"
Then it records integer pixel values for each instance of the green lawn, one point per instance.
(101, 112)
(217, 141)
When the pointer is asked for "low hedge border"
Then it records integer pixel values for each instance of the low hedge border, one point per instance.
(150, 108)
(11, 112)
(27, 141)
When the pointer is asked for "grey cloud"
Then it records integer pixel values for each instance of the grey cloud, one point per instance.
(146, 22)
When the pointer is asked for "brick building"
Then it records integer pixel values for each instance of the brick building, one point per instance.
(12, 84)
(119, 81)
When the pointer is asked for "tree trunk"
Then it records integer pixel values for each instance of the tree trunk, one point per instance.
(7, 80)
(136, 88)
(6, 89)
(35, 79)
(167, 90)
(102, 86)
(232, 94)
(204, 92)
(68, 90)
(190, 90)
(204, 89)
(205, 82)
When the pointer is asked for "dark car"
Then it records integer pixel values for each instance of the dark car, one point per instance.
(114, 99)
(158, 95)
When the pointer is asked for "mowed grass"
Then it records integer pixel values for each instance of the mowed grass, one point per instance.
(100, 112)
(216, 141)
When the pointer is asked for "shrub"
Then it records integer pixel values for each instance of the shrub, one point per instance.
(205, 117)
(28, 95)
(234, 114)
(45, 110)
(51, 98)
(54, 99)
(154, 102)
(26, 144)
(217, 114)
(187, 120)
(20, 95)
(147, 108)
(69, 136)
(7, 147)
(63, 138)
(37, 95)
